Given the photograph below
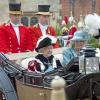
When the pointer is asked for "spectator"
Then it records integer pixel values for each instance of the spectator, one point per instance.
(64, 29)
(71, 32)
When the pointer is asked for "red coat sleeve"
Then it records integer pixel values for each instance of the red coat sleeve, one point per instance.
(71, 33)
(33, 36)
(29, 41)
(53, 33)
(3, 43)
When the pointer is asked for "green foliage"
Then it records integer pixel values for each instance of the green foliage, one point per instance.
(94, 43)
(69, 26)
(59, 27)
(58, 30)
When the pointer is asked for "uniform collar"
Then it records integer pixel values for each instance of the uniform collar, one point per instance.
(15, 25)
(43, 26)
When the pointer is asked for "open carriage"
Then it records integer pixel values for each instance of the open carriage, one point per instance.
(17, 83)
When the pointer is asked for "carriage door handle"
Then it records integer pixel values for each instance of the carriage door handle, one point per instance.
(41, 94)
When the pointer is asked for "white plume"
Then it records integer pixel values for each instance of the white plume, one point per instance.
(92, 21)
(89, 20)
(71, 19)
(63, 22)
(97, 23)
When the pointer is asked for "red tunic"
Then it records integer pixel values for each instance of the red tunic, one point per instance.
(36, 33)
(72, 30)
(9, 41)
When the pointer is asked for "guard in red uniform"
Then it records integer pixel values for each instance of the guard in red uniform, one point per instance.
(14, 37)
(72, 30)
(42, 28)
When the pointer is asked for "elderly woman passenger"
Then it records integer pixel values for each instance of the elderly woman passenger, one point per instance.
(44, 61)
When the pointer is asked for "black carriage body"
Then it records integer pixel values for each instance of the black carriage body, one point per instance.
(32, 86)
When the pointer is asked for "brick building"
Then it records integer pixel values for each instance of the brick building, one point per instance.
(60, 8)
(79, 7)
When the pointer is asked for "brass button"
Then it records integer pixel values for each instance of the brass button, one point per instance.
(41, 94)
(10, 45)
(9, 38)
(18, 51)
(10, 49)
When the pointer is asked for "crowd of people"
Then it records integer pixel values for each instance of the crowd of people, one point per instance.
(16, 38)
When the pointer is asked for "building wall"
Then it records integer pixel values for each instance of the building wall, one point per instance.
(3, 10)
(98, 6)
(32, 6)
(60, 8)
(81, 7)
(65, 7)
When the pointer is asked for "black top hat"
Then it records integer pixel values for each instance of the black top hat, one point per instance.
(43, 43)
(43, 10)
(15, 8)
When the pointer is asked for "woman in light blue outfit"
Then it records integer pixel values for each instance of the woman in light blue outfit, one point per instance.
(76, 43)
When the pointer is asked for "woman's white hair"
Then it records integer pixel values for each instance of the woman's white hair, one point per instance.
(54, 39)
(41, 50)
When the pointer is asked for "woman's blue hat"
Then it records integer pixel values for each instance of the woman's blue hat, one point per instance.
(80, 36)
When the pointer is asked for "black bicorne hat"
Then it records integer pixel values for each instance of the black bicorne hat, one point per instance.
(43, 10)
(15, 8)
(43, 43)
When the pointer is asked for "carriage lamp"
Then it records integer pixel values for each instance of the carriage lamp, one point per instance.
(88, 62)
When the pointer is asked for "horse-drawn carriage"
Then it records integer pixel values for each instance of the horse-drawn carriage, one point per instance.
(16, 83)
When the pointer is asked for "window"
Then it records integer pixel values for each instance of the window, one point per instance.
(24, 21)
(33, 21)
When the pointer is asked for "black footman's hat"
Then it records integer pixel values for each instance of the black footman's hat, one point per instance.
(43, 10)
(15, 8)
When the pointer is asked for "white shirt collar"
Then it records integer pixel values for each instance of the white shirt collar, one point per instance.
(43, 25)
(16, 29)
(14, 25)
(43, 28)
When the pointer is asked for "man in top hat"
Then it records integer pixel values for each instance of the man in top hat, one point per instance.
(42, 28)
(14, 37)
